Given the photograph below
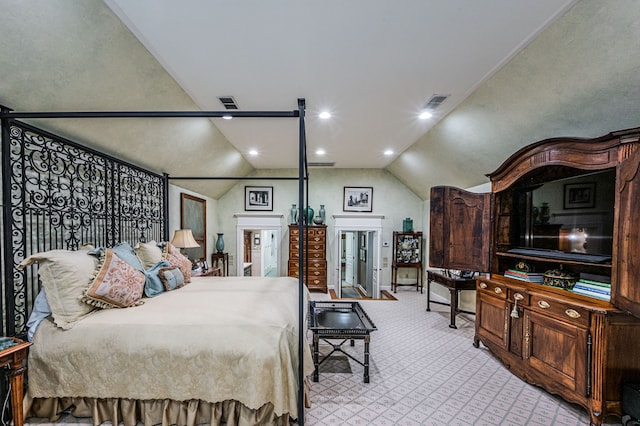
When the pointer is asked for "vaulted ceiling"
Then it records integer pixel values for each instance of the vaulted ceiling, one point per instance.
(515, 72)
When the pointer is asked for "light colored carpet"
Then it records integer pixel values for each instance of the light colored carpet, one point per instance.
(423, 373)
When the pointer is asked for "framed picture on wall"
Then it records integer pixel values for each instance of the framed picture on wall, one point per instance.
(193, 215)
(358, 199)
(580, 195)
(258, 198)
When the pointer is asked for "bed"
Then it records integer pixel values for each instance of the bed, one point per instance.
(219, 349)
(216, 350)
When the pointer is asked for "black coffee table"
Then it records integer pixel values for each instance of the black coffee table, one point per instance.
(339, 320)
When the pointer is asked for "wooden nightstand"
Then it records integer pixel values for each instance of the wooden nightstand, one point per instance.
(211, 272)
(14, 357)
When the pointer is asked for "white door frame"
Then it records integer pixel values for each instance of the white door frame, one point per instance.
(357, 222)
(270, 221)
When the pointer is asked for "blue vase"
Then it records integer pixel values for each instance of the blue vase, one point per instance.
(308, 215)
(294, 214)
(220, 243)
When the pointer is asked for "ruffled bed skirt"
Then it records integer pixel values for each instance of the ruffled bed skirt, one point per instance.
(166, 412)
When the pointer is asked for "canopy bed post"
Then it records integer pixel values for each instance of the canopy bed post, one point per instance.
(302, 191)
(7, 308)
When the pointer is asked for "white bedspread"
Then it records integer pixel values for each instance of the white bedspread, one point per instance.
(216, 339)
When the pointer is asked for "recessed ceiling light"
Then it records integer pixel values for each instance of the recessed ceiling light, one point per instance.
(388, 152)
(320, 151)
(253, 152)
(324, 115)
(424, 115)
(227, 117)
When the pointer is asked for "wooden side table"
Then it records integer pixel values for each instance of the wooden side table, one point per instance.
(211, 272)
(14, 357)
(216, 258)
(455, 285)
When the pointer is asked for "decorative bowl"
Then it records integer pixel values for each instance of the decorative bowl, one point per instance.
(560, 278)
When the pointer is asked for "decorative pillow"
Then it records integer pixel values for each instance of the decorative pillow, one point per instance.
(153, 284)
(41, 310)
(126, 253)
(65, 275)
(178, 260)
(116, 284)
(171, 278)
(148, 253)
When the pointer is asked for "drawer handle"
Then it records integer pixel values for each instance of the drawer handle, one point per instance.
(518, 296)
(483, 285)
(498, 290)
(543, 304)
(572, 314)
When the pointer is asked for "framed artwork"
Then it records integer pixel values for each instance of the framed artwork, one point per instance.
(580, 195)
(258, 198)
(357, 199)
(193, 215)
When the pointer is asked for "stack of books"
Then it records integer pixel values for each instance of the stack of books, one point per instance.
(593, 288)
(532, 277)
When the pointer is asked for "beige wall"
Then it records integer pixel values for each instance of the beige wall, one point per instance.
(391, 198)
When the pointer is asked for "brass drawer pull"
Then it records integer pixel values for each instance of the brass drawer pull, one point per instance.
(498, 290)
(518, 296)
(483, 285)
(543, 304)
(572, 314)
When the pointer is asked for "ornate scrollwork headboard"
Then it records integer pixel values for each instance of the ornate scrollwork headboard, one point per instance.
(60, 195)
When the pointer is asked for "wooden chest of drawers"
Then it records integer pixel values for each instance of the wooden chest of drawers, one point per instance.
(316, 259)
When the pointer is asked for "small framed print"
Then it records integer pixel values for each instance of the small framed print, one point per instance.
(358, 199)
(580, 195)
(258, 198)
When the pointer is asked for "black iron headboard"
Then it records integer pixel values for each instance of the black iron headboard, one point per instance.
(57, 194)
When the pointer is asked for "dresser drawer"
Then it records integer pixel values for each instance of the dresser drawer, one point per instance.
(559, 309)
(492, 288)
(316, 251)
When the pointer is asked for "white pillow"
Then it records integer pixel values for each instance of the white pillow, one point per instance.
(65, 275)
(148, 253)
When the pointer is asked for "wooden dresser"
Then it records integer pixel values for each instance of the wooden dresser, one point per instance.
(576, 346)
(316, 259)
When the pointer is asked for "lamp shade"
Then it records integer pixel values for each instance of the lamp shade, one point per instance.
(183, 238)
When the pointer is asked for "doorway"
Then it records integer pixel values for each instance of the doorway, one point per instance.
(357, 255)
(260, 252)
(259, 244)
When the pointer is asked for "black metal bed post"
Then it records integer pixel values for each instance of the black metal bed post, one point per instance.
(165, 206)
(7, 273)
(302, 168)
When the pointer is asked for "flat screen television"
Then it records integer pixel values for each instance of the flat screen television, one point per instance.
(572, 214)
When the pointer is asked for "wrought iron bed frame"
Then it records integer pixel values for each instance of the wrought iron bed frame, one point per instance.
(57, 194)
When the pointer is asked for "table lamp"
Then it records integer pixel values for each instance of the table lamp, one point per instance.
(183, 238)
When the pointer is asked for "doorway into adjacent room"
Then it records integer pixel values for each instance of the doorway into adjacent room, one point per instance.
(260, 252)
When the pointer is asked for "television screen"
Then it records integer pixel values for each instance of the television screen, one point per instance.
(571, 215)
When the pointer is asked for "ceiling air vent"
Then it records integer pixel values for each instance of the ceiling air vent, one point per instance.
(321, 164)
(228, 102)
(435, 101)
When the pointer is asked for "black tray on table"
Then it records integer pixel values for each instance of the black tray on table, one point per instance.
(339, 317)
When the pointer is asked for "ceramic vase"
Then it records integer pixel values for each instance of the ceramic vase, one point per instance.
(308, 215)
(294, 214)
(320, 217)
(220, 243)
(544, 213)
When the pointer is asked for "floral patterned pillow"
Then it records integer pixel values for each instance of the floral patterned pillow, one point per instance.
(116, 284)
(178, 260)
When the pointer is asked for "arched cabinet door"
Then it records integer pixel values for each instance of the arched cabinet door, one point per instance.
(459, 232)
(627, 241)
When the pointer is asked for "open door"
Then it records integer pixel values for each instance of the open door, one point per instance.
(459, 232)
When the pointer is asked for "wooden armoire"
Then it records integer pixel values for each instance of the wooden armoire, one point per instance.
(579, 347)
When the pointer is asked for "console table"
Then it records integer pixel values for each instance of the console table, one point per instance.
(455, 285)
(14, 357)
(339, 320)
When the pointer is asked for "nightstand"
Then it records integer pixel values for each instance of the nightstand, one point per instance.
(217, 258)
(211, 272)
(14, 357)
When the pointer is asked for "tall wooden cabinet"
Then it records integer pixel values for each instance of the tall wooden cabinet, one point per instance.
(578, 347)
(314, 257)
